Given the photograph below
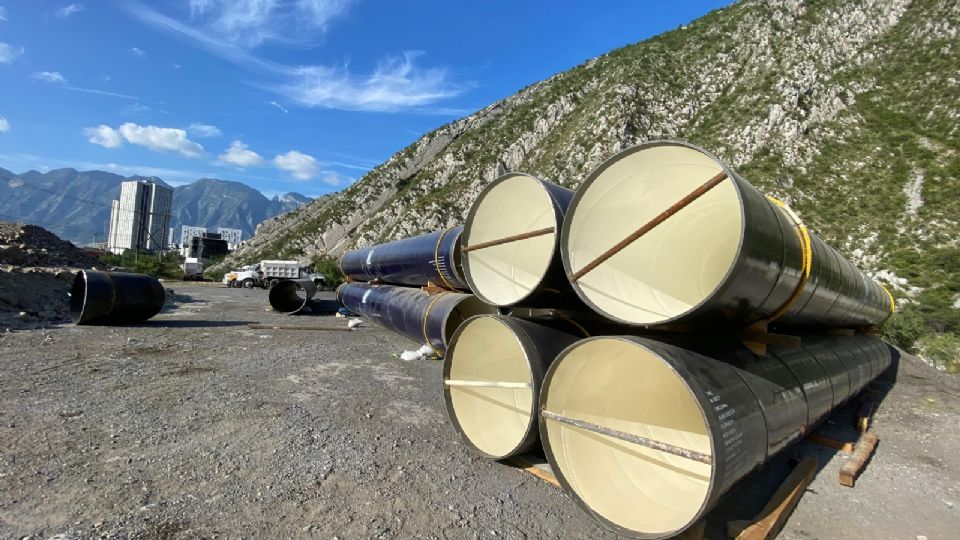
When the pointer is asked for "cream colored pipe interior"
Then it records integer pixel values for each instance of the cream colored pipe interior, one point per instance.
(469, 306)
(507, 273)
(621, 385)
(675, 266)
(495, 420)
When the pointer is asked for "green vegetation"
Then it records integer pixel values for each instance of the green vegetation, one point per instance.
(165, 265)
(330, 268)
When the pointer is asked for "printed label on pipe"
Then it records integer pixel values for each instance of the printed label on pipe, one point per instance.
(370, 256)
(365, 295)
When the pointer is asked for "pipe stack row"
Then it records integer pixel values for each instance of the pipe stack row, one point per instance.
(612, 336)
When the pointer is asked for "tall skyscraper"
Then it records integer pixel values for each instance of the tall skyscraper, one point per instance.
(140, 219)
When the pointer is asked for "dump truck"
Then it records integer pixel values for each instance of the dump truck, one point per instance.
(268, 273)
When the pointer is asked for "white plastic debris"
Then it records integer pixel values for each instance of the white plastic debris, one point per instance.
(410, 355)
(353, 323)
(426, 351)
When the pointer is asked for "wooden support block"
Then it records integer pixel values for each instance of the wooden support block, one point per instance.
(756, 337)
(775, 513)
(865, 415)
(840, 332)
(830, 443)
(433, 288)
(536, 467)
(865, 447)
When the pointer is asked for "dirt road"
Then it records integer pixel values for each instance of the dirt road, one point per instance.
(193, 425)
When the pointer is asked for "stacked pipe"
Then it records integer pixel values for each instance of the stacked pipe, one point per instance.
(651, 420)
(386, 283)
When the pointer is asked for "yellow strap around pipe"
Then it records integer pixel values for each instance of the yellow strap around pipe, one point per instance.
(426, 315)
(436, 259)
(893, 303)
(806, 264)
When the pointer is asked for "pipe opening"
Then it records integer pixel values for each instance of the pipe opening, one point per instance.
(624, 387)
(512, 205)
(675, 266)
(467, 307)
(494, 420)
(78, 296)
(289, 296)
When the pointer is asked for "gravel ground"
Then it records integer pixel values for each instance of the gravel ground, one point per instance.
(193, 425)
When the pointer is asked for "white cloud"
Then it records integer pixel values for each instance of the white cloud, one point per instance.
(240, 155)
(3, 14)
(249, 23)
(8, 53)
(138, 52)
(279, 106)
(103, 135)
(396, 84)
(298, 164)
(68, 10)
(231, 29)
(52, 77)
(4, 125)
(204, 130)
(158, 139)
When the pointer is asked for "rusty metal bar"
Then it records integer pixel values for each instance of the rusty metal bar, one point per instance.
(508, 239)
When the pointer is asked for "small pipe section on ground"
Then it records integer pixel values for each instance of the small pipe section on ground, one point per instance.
(114, 298)
(291, 296)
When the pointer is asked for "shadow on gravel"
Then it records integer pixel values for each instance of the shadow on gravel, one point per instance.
(188, 323)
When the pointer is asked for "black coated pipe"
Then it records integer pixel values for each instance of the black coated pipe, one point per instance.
(292, 296)
(511, 253)
(114, 298)
(731, 257)
(647, 436)
(423, 317)
(492, 376)
(433, 257)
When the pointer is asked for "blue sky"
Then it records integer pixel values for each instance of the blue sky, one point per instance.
(299, 95)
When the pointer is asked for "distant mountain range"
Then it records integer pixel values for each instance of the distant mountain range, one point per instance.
(76, 205)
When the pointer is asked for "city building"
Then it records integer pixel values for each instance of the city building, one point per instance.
(140, 219)
(189, 232)
(232, 236)
(206, 245)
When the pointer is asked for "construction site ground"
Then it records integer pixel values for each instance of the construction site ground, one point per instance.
(194, 425)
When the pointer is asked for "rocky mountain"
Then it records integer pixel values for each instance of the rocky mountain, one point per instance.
(849, 111)
(76, 205)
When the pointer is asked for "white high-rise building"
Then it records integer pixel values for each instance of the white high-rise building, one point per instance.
(140, 219)
(232, 236)
(187, 232)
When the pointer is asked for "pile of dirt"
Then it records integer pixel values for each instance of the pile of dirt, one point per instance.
(34, 297)
(29, 245)
(36, 271)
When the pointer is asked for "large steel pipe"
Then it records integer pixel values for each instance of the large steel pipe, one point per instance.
(665, 234)
(114, 298)
(492, 376)
(292, 296)
(510, 241)
(425, 318)
(429, 258)
(647, 436)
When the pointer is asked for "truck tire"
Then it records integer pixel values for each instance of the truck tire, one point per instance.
(248, 283)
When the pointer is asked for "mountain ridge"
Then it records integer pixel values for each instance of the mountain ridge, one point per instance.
(848, 112)
(76, 204)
